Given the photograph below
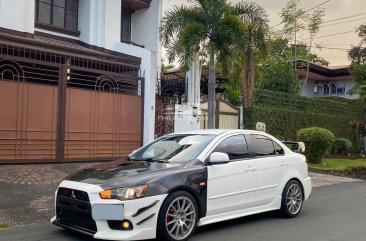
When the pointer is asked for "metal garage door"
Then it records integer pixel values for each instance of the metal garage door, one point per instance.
(103, 115)
(62, 112)
(28, 111)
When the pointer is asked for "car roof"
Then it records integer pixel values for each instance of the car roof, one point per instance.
(219, 132)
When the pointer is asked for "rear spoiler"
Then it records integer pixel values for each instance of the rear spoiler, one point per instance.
(298, 147)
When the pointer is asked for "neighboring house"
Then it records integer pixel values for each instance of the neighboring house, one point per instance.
(77, 78)
(325, 81)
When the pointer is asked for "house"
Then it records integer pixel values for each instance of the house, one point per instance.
(77, 78)
(325, 81)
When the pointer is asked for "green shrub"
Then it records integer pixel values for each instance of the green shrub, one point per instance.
(317, 142)
(342, 146)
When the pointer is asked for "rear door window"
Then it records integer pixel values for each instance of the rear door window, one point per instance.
(261, 145)
(234, 146)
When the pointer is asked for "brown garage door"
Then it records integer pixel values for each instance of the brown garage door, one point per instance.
(28, 110)
(58, 112)
(101, 124)
(27, 121)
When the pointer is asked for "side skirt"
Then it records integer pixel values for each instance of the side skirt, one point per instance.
(275, 205)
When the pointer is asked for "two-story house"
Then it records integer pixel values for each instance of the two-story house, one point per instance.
(77, 78)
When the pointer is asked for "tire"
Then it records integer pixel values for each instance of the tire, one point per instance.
(172, 217)
(292, 199)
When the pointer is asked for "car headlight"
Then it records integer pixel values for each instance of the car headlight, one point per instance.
(125, 193)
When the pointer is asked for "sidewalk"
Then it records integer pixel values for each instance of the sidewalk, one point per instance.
(27, 191)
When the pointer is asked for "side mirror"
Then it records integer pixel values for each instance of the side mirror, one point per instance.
(298, 147)
(219, 158)
(301, 147)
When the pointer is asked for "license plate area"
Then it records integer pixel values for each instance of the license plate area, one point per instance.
(107, 212)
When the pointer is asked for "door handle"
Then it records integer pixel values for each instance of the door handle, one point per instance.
(284, 163)
(250, 169)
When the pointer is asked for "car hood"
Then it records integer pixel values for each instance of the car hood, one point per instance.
(123, 173)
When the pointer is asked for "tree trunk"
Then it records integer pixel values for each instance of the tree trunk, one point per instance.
(212, 90)
(247, 78)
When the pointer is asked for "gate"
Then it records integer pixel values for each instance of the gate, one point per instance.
(171, 90)
(55, 107)
(103, 115)
(28, 111)
(227, 115)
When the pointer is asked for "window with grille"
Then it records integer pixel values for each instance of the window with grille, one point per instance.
(58, 13)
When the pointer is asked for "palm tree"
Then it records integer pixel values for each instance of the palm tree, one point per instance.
(257, 28)
(212, 23)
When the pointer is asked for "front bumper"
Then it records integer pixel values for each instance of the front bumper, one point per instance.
(143, 214)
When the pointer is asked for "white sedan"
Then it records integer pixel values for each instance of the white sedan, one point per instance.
(180, 181)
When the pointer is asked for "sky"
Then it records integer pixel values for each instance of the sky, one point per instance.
(342, 16)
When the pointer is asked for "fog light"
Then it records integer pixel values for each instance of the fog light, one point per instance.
(126, 225)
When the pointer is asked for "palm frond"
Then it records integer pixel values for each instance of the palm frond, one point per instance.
(188, 41)
(252, 13)
(256, 20)
(175, 19)
(230, 35)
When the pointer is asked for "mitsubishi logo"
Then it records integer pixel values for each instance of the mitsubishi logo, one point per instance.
(73, 194)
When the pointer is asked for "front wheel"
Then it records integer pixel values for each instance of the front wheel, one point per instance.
(292, 199)
(178, 217)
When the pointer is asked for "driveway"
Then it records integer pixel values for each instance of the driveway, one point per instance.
(333, 213)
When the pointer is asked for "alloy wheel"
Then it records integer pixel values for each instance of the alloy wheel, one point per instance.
(294, 198)
(180, 218)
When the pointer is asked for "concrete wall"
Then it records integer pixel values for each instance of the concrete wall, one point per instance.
(99, 23)
(17, 15)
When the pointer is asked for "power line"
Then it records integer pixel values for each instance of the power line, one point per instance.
(303, 12)
(330, 48)
(334, 20)
(342, 18)
(329, 35)
(342, 22)
(337, 44)
(316, 46)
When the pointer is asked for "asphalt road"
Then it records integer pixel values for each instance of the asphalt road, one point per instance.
(333, 213)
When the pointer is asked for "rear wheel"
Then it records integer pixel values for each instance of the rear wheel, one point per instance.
(178, 217)
(292, 199)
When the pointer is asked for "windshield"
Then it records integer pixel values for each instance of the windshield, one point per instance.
(174, 148)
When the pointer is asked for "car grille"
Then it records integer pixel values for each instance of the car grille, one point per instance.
(73, 209)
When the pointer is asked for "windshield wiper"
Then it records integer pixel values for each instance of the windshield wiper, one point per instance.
(154, 160)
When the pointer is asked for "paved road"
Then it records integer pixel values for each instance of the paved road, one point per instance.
(333, 213)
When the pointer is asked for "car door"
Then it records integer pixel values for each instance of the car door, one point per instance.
(231, 186)
(271, 168)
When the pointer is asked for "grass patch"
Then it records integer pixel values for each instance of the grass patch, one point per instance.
(4, 225)
(339, 165)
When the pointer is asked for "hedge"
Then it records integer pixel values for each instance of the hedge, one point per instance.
(285, 114)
